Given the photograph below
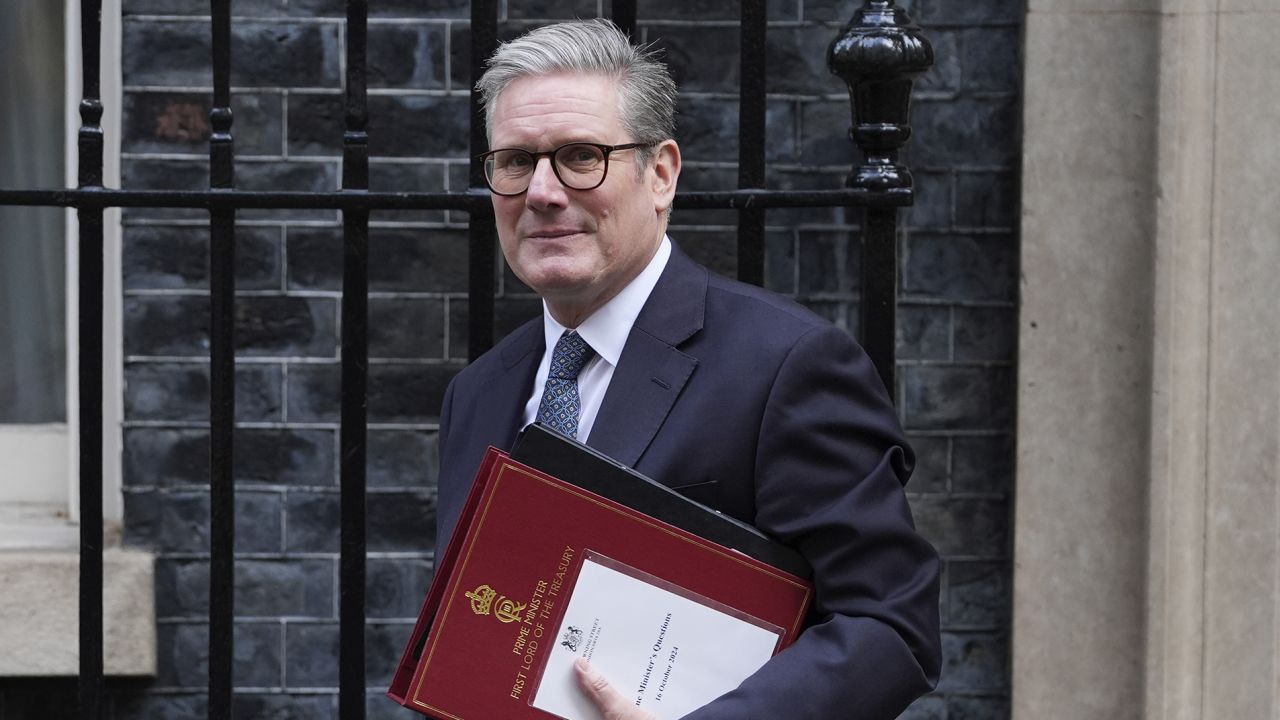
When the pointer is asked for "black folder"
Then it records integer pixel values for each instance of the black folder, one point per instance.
(542, 448)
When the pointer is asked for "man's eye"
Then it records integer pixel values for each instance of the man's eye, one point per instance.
(580, 156)
(516, 161)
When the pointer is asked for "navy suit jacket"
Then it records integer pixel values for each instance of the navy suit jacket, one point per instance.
(751, 404)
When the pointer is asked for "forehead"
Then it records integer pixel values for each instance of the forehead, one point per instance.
(545, 110)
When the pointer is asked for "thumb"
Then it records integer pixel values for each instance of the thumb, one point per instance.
(609, 701)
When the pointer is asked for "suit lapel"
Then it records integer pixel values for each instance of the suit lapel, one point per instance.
(651, 371)
(510, 389)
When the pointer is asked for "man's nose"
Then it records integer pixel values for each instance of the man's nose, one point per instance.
(545, 189)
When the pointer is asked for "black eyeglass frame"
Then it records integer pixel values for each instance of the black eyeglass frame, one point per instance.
(606, 150)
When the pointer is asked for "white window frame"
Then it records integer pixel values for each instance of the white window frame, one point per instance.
(45, 458)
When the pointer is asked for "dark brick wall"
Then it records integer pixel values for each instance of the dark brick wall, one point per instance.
(956, 327)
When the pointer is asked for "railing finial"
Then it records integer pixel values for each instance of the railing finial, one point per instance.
(878, 55)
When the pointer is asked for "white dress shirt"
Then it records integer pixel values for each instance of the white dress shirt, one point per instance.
(606, 331)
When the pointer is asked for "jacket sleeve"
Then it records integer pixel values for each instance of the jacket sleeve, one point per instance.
(830, 469)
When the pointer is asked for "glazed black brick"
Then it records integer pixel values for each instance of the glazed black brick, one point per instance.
(180, 391)
(829, 262)
(825, 134)
(932, 208)
(966, 527)
(399, 260)
(961, 267)
(983, 464)
(406, 56)
(842, 11)
(158, 457)
(177, 258)
(700, 177)
(791, 178)
(993, 707)
(924, 332)
(964, 132)
(931, 471)
(151, 174)
(551, 9)
(284, 707)
(992, 61)
(311, 655)
(178, 122)
(406, 328)
(978, 594)
(456, 9)
(717, 249)
(797, 61)
(397, 393)
(399, 126)
(277, 54)
(394, 588)
(179, 522)
(987, 199)
(269, 176)
(183, 655)
(386, 176)
(946, 75)
(313, 520)
(198, 7)
(955, 397)
(974, 661)
(384, 643)
(509, 314)
(700, 58)
(406, 521)
(264, 326)
(707, 131)
(182, 589)
(401, 458)
(290, 588)
(938, 12)
(136, 705)
(667, 10)
(986, 333)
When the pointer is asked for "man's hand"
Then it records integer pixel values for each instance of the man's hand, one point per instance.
(610, 702)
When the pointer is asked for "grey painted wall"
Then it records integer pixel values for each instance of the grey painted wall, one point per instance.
(956, 326)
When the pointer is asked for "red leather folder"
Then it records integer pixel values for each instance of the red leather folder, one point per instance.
(491, 613)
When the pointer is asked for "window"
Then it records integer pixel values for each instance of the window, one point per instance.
(39, 118)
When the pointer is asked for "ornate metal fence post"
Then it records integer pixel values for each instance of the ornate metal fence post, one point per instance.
(878, 55)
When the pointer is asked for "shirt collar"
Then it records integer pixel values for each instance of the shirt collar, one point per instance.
(607, 328)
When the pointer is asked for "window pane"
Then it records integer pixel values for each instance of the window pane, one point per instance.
(32, 254)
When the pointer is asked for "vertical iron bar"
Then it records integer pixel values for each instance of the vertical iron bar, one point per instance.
(482, 257)
(90, 368)
(878, 55)
(624, 16)
(878, 306)
(355, 373)
(221, 375)
(751, 139)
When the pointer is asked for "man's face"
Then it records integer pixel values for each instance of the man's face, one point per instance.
(578, 248)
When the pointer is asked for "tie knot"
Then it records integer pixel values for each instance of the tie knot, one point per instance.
(570, 355)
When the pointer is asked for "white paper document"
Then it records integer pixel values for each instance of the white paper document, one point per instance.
(668, 650)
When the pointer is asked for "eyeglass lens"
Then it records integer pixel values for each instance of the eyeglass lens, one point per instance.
(579, 166)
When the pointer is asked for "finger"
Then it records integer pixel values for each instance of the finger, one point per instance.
(596, 687)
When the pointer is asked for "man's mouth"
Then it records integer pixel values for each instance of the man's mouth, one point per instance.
(553, 233)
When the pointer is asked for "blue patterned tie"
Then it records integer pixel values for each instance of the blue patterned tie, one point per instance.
(560, 405)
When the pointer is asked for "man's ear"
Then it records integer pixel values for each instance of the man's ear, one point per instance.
(666, 171)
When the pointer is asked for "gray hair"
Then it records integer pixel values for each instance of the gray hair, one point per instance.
(646, 92)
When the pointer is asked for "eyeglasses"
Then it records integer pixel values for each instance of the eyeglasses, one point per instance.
(579, 165)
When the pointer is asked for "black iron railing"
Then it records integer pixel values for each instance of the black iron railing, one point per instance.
(878, 54)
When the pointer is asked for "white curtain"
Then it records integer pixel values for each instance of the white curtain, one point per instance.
(32, 252)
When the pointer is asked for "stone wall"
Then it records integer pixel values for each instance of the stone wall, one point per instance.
(957, 319)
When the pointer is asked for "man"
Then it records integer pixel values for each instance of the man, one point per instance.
(732, 395)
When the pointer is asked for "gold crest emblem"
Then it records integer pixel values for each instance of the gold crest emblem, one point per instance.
(484, 598)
